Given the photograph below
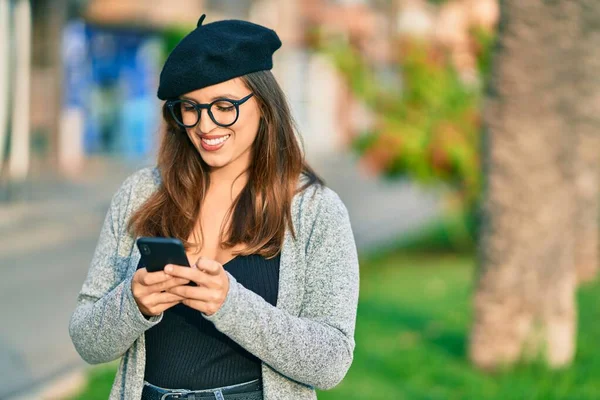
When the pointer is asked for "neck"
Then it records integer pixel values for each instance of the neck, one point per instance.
(233, 175)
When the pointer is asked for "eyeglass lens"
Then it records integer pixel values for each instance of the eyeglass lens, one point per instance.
(223, 112)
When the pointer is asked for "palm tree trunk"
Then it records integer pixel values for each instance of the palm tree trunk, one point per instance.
(588, 205)
(524, 302)
(587, 135)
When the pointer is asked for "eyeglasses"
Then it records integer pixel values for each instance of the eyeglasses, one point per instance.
(224, 112)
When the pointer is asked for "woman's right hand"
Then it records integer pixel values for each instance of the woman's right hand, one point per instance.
(149, 291)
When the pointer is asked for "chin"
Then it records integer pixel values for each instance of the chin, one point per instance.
(214, 161)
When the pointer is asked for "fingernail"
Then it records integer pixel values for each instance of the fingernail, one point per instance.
(168, 268)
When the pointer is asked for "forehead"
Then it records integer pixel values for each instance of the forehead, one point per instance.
(233, 87)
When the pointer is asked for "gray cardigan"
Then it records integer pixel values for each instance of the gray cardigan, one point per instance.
(304, 342)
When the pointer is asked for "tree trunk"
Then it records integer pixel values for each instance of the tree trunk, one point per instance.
(524, 302)
(587, 136)
(588, 206)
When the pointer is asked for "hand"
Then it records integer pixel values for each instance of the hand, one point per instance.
(149, 291)
(212, 281)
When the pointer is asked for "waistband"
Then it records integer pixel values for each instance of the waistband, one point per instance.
(251, 390)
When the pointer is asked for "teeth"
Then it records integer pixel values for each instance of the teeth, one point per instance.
(214, 142)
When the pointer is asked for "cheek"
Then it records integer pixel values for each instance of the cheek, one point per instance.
(247, 132)
(191, 134)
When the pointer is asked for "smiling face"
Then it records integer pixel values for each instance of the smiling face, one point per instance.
(225, 147)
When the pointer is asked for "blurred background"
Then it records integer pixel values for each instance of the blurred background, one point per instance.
(471, 178)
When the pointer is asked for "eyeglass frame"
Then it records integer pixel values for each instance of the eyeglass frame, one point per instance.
(200, 106)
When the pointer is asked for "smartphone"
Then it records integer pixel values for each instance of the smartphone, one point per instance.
(157, 252)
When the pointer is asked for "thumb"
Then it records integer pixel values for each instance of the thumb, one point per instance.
(199, 262)
(208, 265)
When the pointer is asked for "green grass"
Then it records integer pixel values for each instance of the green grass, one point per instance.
(100, 381)
(411, 335)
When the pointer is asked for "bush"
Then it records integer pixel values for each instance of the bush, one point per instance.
(430, 130)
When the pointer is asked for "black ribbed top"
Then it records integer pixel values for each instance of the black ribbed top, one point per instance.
(186, 351)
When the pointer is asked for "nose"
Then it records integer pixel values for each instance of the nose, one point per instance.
(206, 123)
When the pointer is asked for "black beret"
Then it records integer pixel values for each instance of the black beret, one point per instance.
(215, 53)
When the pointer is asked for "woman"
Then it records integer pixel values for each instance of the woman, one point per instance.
(273, 256)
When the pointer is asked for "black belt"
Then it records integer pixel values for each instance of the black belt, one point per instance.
(245, 391)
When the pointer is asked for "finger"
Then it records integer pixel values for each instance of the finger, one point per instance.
(198, 260)
(165, 306)
(208, 280)
(138, 288)
(209, 266)
(156, 299)
(202, 306)
(194, 293)
(162, 286)
(151, 278)
(191, 274)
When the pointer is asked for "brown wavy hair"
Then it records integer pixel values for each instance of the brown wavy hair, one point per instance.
(259, 215)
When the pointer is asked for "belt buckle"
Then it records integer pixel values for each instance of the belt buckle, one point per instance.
(174, 396)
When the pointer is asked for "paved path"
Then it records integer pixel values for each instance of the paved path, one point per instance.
(46, 245)
(380, 211)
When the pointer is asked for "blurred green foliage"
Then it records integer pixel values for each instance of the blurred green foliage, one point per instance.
(450, 232)
(430, 129)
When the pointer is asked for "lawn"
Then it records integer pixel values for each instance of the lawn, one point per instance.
(411, 332)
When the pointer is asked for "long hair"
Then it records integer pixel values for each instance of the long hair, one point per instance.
(259, 215)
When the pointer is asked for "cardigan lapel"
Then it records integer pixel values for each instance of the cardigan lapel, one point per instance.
(291, 277)
(292, 265)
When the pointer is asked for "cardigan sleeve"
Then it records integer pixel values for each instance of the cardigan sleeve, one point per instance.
(315, 348)
(107, 320)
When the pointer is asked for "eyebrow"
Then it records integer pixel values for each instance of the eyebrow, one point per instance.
(221, 96)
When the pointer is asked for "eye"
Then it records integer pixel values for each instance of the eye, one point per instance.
(224, 106)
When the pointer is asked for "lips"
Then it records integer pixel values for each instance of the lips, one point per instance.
(212, 143)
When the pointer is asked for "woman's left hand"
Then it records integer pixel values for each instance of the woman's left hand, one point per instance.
(212, 281)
